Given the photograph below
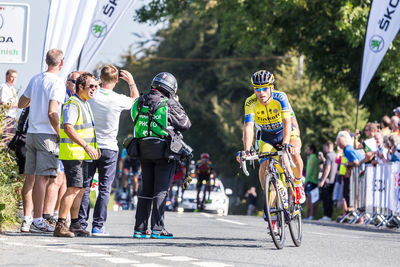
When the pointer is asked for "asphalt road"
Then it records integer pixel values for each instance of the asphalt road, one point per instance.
(206, 240)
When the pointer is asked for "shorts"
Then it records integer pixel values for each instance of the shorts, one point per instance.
(76, 172)
(294, 135)
(132, 164)
(201, 179)
(271, 141)
(41, 154)
(309, 187)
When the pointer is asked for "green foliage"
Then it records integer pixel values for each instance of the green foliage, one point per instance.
(9, 183)
(330, 34)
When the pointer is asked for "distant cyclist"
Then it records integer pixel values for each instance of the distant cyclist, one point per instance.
(129, 166)
(204, 172)
(180, 171)
(269, 112)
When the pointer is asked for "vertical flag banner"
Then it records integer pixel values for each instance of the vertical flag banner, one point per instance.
(67, 27)
(383, 25)
(107, 15)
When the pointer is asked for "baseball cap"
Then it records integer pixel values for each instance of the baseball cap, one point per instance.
(397, 110)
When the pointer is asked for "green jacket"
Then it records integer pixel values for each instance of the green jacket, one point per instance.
(312, 169)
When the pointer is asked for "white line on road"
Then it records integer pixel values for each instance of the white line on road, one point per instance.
(120, 260)
(15, 244)
(65, 250)
(153, 254)
(133, 251)
(212, 263)
(110, 249)
(90, 255)
(206, 215)
(148, 265)
(178, 258)
(229, 221)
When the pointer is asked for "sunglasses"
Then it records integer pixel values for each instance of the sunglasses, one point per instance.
(91, 86)
(72, 81)
(264, 89)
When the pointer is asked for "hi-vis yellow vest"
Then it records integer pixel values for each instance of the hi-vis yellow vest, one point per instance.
(83, 126)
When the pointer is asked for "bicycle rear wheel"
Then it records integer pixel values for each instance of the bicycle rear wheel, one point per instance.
(295, 226)
(274, 211)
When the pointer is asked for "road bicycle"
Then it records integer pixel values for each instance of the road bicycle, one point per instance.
(278, 205)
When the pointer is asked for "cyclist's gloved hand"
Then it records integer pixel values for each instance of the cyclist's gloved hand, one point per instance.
(238, 155)
(186, 182)
(288, 148)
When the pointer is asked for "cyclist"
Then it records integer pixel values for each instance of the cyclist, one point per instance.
(180, 171)
(269, 111)
(128, 165)
(204, 172)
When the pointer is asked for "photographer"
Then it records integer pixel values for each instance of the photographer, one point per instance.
(154, 115)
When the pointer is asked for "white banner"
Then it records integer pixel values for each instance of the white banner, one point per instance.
(14, 28)
(107, 15)
(67, 27)
(383, 25)
(394, 196)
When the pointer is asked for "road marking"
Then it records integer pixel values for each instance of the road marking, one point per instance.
(65, 250)
(120, 260)
(212, 263)
(47, 240)
(148, 265)
(229, 221)
(153, 254)
(110, 249)
(90, 255)
(132, 251)
(206, 215)
(178, 258)
(99, 246)
(15, 244)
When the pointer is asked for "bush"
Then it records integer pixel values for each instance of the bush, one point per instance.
(9, 182)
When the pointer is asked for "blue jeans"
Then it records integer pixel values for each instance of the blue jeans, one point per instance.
(106, 166)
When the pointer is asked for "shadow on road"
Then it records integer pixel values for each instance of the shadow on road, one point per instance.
(354, 227)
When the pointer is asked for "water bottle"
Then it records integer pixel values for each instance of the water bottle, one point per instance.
(283, 192)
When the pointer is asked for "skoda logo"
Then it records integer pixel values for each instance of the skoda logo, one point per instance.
(376, 43)
(99, 28)
(1, 21)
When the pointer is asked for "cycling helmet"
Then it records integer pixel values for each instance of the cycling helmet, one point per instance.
(204, 156)
(262, 78)
(165, 82)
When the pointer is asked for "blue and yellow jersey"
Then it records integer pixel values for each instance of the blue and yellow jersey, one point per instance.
(269, 117)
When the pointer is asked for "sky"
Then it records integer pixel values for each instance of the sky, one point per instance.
(119, 41)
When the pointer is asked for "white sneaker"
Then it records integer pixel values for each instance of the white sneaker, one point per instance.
(42, 227)
(325, 218)
(26, 225)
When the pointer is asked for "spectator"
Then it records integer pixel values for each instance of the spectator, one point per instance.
(312, 171)
(44, 94)
(396, 112)
(385, 125)
(354, 157)
(8, 98)
(394, 124)
(369, 145)
(381, 155)
(251, 196)
(394, 141)
(77, 145)
(107, 107)
(70, 84)
(327, 181)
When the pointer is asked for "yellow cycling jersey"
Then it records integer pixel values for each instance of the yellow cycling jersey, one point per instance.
(268, 117)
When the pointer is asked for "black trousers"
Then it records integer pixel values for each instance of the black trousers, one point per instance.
(156, 180)
(327, 202)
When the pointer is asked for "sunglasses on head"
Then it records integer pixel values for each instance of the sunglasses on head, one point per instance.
(70, 80)
(264, 89)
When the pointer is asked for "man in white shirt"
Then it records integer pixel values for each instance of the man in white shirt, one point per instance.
(107, 107)
(8, 97)
(44, 94)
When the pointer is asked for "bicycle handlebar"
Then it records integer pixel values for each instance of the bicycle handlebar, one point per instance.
(263, 155)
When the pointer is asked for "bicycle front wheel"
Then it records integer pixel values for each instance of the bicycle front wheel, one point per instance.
(274, 211)
(295, 227)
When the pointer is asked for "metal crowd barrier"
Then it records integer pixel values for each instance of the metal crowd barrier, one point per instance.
(375, 195)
